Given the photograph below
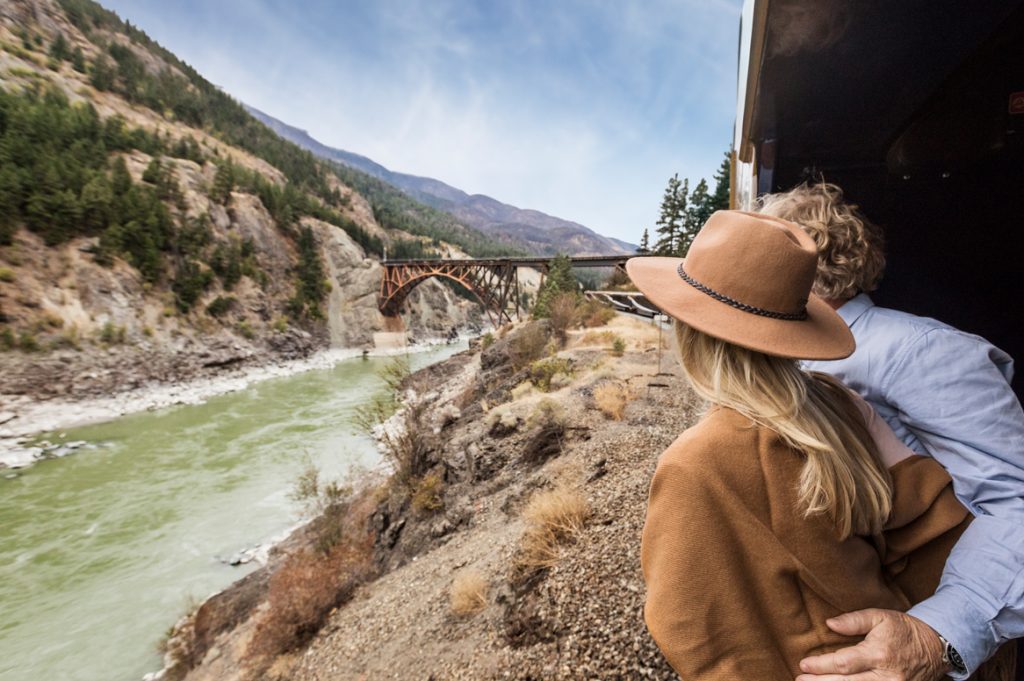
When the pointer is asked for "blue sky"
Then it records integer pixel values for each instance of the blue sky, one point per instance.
(581, 109)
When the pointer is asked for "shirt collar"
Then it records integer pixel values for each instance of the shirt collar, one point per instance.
(853, 308)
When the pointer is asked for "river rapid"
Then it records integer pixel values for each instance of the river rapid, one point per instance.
(101, 551)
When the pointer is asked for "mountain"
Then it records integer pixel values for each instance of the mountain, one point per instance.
(535, 231)
(151, 229)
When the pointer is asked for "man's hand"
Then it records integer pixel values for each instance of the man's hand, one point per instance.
(897, 647)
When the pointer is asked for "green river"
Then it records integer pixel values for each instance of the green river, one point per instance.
(101, 551)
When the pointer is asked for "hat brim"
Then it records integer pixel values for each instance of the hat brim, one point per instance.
(822, 335)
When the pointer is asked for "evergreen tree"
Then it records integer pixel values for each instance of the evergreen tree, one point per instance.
(645, 243)
(223, 183)
(560, 279)
(311, 286)
(152, 172)
(121, 179)
(102, 75)
(97, 203)
(720, 199)
(59, 50)
(10, 204)
(673, 216)
(697, 214)
(78, 60)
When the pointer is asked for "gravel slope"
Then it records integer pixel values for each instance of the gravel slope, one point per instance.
(583, 618)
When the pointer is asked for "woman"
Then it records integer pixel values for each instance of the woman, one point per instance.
(778, 509)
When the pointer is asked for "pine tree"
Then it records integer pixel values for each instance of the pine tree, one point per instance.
(97, 203)
(645, 243)
(78, 60)
(720, 199)
(223, 183)
(10, 204)
(102, 75)
(559, 279)
(697, 214)
(121, 179)
(59, 50)
(673, 214)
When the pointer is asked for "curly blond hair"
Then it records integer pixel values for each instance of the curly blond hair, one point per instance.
(851, 255)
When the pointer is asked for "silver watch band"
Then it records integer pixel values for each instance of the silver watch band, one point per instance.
(952, 658)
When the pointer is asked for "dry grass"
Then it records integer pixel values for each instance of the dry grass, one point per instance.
(428, 493)
(553, 517)
(601, 338)
(612, 398)
(468, 594)
(303, 592)
(522, 390)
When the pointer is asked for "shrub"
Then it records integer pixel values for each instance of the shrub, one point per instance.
(501, 421)
(546, 411)
(528, 344)
(305, 590)
(543, 371)
(593, 312)
(245, 328)
(6, 275)
(486, 341)
(280, 325)
(68, 339)
(220, 306)
(522, 390)
(7, 339)
(547, 435)
(612, 398)
(618, 347)
(468, 594)
(553, 517)
(563, 315)
(28, 342)
(112, 334)
(428, 493)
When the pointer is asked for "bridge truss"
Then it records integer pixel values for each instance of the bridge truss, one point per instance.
(493, 281)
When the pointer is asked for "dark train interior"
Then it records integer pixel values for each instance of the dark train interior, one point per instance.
(916, 109)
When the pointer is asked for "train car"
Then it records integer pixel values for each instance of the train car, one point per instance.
(916, 109)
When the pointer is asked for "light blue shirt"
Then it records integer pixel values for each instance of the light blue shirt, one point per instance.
(947, 394)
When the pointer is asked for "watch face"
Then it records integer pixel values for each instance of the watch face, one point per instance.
(955, 660)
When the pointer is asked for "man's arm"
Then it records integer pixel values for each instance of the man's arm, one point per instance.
(951, 392)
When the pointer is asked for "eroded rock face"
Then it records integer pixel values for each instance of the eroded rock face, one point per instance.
(431, 311)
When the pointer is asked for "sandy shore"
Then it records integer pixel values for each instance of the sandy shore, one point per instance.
(22, 418)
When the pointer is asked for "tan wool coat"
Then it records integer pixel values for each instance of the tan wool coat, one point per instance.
(740, 582)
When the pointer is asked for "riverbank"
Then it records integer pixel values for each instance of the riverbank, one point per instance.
(24, 417)
(465, 579)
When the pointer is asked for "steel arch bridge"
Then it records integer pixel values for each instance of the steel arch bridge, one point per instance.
(493, 281)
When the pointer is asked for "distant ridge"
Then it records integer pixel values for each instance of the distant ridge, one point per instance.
(535, 231)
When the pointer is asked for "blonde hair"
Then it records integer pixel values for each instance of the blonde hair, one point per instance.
(843, 476)
(851, 249)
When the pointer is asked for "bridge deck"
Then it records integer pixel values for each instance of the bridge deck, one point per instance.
(533, 261)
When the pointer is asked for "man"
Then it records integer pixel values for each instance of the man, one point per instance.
(946, 394)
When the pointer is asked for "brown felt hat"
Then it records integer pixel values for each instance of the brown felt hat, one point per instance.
(747, 280)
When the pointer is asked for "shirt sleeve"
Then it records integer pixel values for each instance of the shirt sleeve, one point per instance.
(950, 390)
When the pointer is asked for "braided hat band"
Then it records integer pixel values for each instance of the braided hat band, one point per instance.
(786, 316)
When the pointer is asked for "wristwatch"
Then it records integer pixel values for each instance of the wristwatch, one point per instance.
(951, 657)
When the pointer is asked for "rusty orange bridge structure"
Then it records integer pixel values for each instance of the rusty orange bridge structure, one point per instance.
(493, 281)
